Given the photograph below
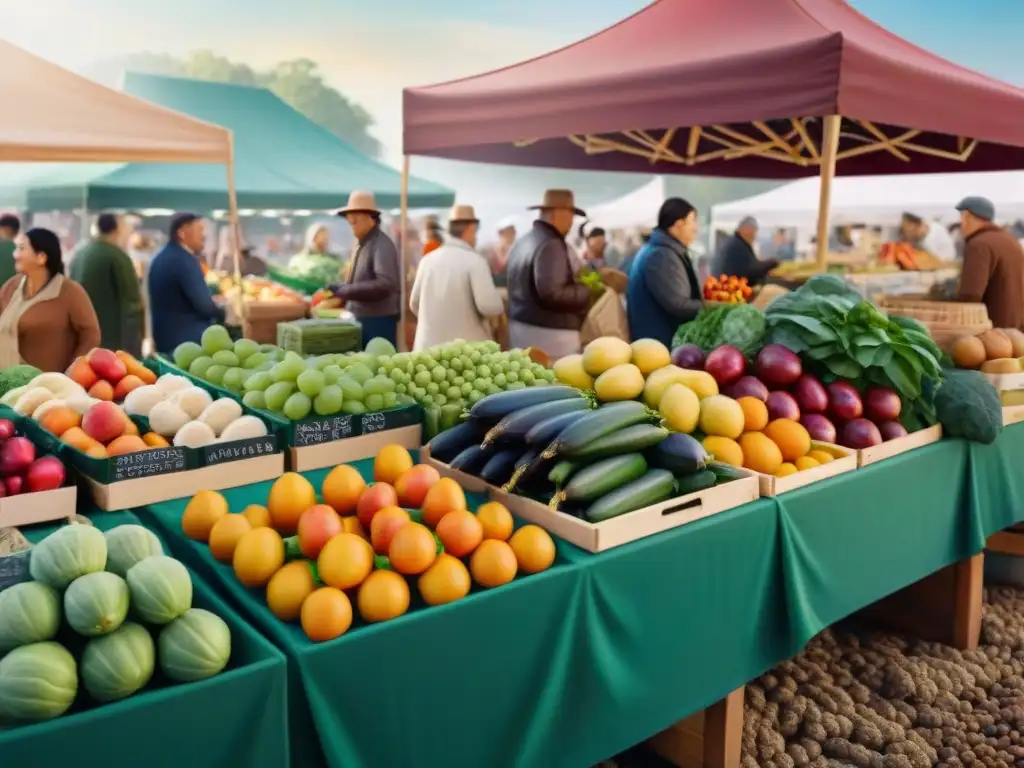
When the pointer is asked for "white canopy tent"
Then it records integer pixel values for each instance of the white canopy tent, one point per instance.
(638, 208)
(876, 200)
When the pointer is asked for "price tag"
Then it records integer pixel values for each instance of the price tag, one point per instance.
(324, 430)
(236, 450)
(373, 422)
(157, 461)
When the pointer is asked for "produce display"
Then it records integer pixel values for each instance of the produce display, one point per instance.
(998, 351)
(105, 609)
(253, 288)
(16, 376)
(409, 528)
(740, 325)
(727, 288)
(102, 375)
(22, 470)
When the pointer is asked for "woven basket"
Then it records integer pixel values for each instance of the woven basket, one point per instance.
(940, 314)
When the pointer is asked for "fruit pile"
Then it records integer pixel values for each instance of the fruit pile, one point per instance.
(91, 580)
(998, 351)
(611, 368)
(370, 540)
(21, 471)
(728, 289)
(253, 288)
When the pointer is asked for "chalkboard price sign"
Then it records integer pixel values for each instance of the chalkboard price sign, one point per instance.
(236, 450)
(324, 430)
(373, 422)
(157, 461)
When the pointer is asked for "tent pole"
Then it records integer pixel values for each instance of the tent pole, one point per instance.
(403, 345)
(829, 150)
(236, 228)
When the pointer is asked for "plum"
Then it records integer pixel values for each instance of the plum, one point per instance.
(747, 386)
(725, 364)
(844, 401)
(810, 394)
(778, 366)
(861, 433)
(688, 356)
(891, 430)
(881, 404)
(782, 405)
(819, 427)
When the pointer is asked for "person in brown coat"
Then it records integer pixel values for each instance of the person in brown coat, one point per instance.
(46, 319)
(993, 270)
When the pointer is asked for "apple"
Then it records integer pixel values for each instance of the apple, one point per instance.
(6, 429)
(16, 455)
(14, 484)
(103, 422)
(45, 474)
(107, 365)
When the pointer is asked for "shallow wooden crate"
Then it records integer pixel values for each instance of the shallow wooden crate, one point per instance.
(890, 448)
(335, 452)
(1012, 414)
(1006, 382)
(845, 461)
(468, 482)
(39, 507)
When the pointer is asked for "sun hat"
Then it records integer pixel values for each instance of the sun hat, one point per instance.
(359, 201)
(558, 198)
(462, 213)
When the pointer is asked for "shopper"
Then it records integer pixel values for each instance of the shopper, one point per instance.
(595, 243)
(993, 271)
(181, 306)
(9, 228)
(454, 293)
(373, 291)
(546, 304)
(108, 275)
(46, 320)
(663, 289)
(736, 258)
(928, 236)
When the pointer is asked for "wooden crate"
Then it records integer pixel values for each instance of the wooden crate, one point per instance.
(845, 461)
(1006, 382)
(468, 482)
(40, 507)
(1012, 414)
(890, 448)
(335, 452)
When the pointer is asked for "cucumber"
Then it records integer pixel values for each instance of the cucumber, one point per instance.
(448, 444)
(680, 454)
(561, 472)
(602, 478)
(655, 486)
(499, 467)
(501, 404)
(513, 428)
(695, 481)
(543, 433)
(726, 472)
(638, 437)
(471, 460)
(597, 424)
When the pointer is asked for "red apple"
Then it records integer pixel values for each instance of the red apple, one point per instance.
(725, 364)
(317, 526)
(6, 429)
(45, 474)
(881, 404)
(107, 365)
(16, 455)
(103, 422)
(14, 484)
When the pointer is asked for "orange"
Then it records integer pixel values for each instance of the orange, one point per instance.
(351, 524)
(59, 420)
(76, 438)
(493, 564)
(225, 534)
(496, 520)
(326, 614)
(786, 469)
(384, 526)
(724, 449)
(446, 581)
(445, 496)
(413, 485)
(96, 452)
(126, 444)
(460, 532)
(289, 588)
(130, 427)
(806, 462)
(259, 554)
(345, 561)
(534, 549)
(760, 453)
(290, 496)
(391, 463)
(413, 549)
(791, 436)
(341, 489)
(384, 595)
(202, 512)
(820, 456)
(755, 414)
(153, 440)
(257, 515)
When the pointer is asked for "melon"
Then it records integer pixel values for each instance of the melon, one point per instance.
(117, 665)
(161, 589)
(623, 382)
(128, 545)
(194, 646)
(605, 353)
(29, 613)
(37, 682)
(68, 553)
(96, 604)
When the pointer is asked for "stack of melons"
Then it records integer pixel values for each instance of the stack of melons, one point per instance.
(998, 351)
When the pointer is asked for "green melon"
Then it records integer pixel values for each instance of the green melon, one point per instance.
(37, 682)
(68, 553)
(194, 646)
(96, 604)
(117, 665)
(29, 613)
(161, 589)
(128, 545)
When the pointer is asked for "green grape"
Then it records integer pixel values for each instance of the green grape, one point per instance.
(433, 388)
(440, 400)
(311, 381)
(297, 406)
(539, 382)
(332, 373)
(499, 380)
(276, 394)
(465, 389)
(255, 399)
(374, 402)
(516, 385)
(360, 372)
(319, 363)
(512, 377)
(422, 378)
(227, 359)
(456, 364)
(353, 406)
(426, 400)
(514, 366)
(480, 384)
(475, 358)
(484, 372)
(397, 375)
(329, 401)
(453, 393)
(401, 389)
(418, 392)
(467, 361)
(390, 399)
(255, 360)
(474, 396)
(382, 371)
(458, 381)
(215, 373)
(450, 375)
(288, 369)
(438, 373)
(233, 379)
(493, 389)
(492, 346)
(526, 376)
(350, 389)
(420, 368)
(258, 382)
(549, 375)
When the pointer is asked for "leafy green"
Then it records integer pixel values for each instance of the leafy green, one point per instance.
(315, 267)
(741, 325)
(16, 376)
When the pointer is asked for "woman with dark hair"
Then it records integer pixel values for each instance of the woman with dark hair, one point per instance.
(46, 319)
(595, 242)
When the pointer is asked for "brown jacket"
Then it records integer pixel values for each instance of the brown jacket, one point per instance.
(993, 273)
(542, 289)
(53, 333)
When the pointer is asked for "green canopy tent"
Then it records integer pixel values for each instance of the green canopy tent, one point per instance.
(282, 159)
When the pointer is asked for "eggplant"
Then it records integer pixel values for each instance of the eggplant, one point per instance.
(514, 426)
(471, 460)
(543, 433)
(448, 444)
(680, 454)
(499, 467)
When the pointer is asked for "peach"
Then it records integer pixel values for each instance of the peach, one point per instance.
(374, 498)
(60, 420)
(82, 373)
(76, 438)
(136, 368)
(103, 422)
(102, 390)
(153, 440)
(97, 452)
(130, 427)
(126, 444)
(107, 365)
(126, 385)
(413, 484)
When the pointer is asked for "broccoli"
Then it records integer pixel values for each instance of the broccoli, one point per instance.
(16, 376)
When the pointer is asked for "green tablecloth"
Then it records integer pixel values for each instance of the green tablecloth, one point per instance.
(237, 718)
(995, 481)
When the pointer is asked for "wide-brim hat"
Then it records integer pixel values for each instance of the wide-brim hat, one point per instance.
(463, 214)
(359, 201)
(558, 198)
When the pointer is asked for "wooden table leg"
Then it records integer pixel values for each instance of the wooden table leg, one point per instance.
(710, 739)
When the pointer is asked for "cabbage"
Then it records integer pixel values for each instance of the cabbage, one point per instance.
(741, 325)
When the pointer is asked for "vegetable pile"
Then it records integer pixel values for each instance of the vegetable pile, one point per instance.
(727, 288)
(740, 325)
(90, 580)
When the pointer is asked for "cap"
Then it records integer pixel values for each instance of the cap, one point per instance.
(981, 207)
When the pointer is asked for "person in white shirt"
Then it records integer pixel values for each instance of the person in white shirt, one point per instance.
(928, 236)
(454, 292)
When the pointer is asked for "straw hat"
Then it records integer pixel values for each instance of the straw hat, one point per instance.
(462, 213)
(359, 201)
(558, 198)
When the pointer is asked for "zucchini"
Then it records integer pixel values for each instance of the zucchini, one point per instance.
(431, 422)
(680, 454)
(726, 472)
(501, 404)
(655, 486)
(561, 472)
(602, 478)
(695, 481)
(448, 444)
(597, 424)
(543, 433)
(515, 426)
(638, 437)
(499, 467)
(471, 460)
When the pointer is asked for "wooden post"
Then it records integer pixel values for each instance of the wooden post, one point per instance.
(235, 228)
(829, 150)
(403, 345)
(710, 739)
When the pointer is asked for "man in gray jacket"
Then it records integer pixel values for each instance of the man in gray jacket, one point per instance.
(373, 289)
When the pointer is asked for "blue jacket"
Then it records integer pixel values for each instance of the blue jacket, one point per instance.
(181, 306)
(663, 289)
